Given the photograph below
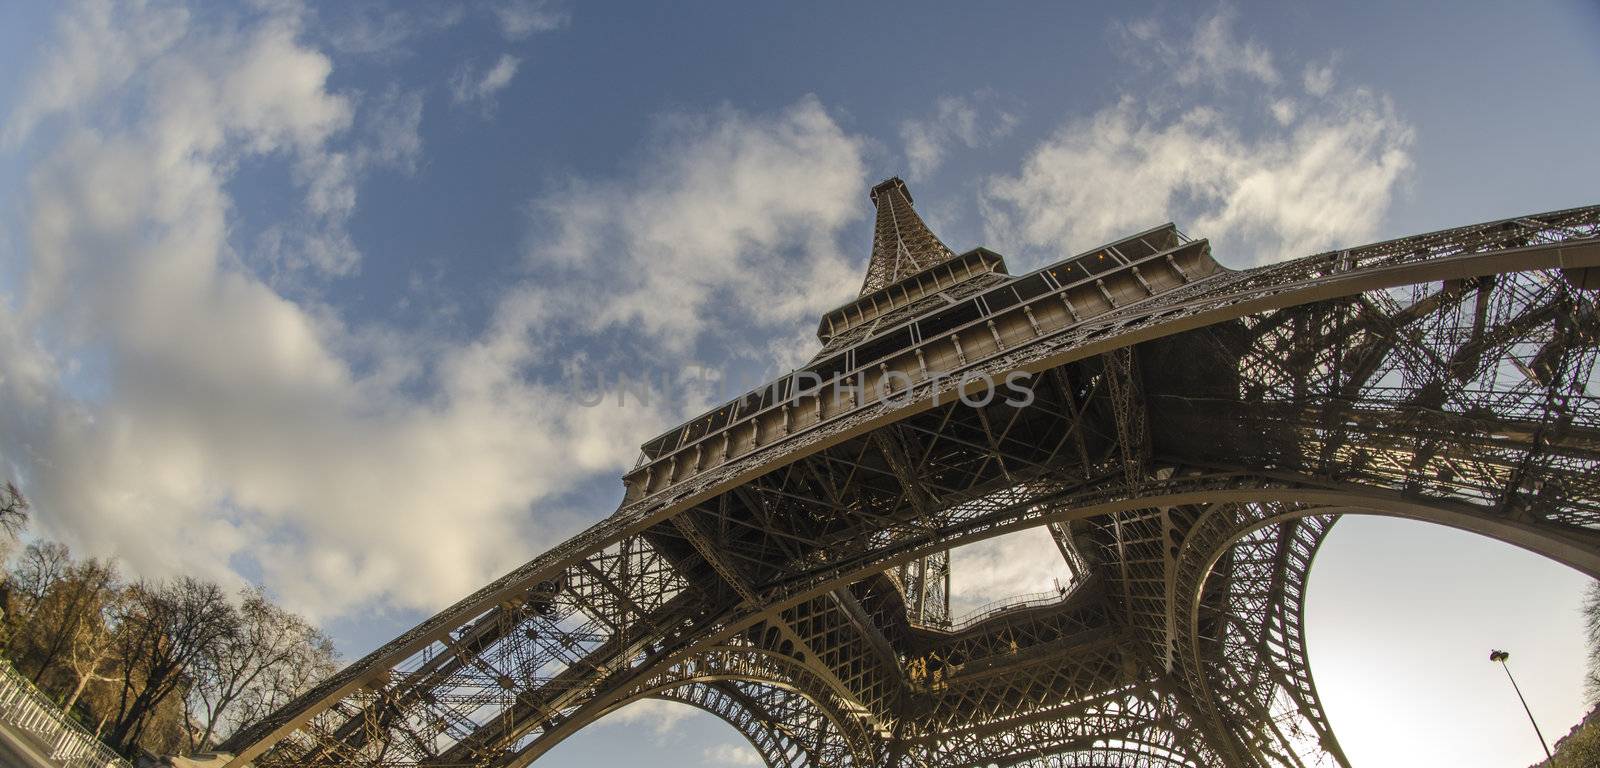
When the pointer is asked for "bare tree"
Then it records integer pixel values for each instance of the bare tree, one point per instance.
(42, 565)
(162, 633)
(272, 654)
(63, 601)
(13, 512)
(89, 647)
(1591, 621)
(286, 681)
(160, 667)
(13, 519)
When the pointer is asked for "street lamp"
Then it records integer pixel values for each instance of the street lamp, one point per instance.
(1501, 657)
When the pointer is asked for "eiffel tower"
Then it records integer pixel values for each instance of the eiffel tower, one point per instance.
(1189, 435)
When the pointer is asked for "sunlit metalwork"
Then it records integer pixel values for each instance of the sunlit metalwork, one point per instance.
(1188, 434)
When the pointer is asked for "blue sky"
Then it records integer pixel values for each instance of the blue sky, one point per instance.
(288, 292)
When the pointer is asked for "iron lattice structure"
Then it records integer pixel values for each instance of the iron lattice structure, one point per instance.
(1192, 434)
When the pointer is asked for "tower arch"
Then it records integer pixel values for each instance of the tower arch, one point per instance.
(1190, 433)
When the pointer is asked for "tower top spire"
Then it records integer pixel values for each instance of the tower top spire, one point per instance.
(901, 243)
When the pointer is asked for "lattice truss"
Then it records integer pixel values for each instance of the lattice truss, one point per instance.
(902, 244)
(1188, 451)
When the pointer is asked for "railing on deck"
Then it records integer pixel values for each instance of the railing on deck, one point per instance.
(66, 743)
(1006, 604)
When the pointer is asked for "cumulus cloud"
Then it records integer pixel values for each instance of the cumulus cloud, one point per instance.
(520, 18)
(1218, 55)
(1211, 55)
(166, 402)
(186, 416)
(98, 46)
(386, 31)
(394, 126)
(971, 122)
(1318, 79)
(479, 88)
(317, 243)
(383, 31)
(1284, 111)
(731, 212)
(1320, 172)
(732, 756)
(661, 716)
(1021, 563)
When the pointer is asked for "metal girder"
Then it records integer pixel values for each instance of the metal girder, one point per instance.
(785, 728)
(926, 582)
(776, 748)
(1194, 433)
(780, 693)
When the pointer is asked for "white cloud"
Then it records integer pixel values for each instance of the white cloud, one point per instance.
(659, 715)
(732, 756)
(1211, 55)
(385, 32)
(1284, 111)
(470, 86)
(1320, 173)
(227, 91)
(97, 47)
(733, 213)
(318, 243)
(394, 125)
(1146, 30)
(164, 404)
(1318, 79)
(1020, 563)
(1216, 55)
(971, 122)
(521, 18)
(227, 428)
(499, 76)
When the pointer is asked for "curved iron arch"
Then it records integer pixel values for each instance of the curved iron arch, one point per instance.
(742, 710)
(1197, 487)
(386, 681)
(835, 738)
(1225, 529)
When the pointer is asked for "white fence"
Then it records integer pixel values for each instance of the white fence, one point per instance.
(66, 743)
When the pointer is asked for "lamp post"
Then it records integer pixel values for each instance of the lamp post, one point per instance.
(1501, 656)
